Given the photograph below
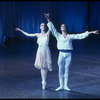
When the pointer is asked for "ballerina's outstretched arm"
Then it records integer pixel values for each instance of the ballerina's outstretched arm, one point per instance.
(27, 34)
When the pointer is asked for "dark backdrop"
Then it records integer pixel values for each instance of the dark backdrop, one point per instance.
(27, 15)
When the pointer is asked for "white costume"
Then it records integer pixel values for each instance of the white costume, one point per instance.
(43, 55)
(64, 45)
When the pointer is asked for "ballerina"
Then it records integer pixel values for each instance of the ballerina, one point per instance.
(43, 55)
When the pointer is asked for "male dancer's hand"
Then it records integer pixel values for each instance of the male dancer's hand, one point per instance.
(94, 32)
(47, 17)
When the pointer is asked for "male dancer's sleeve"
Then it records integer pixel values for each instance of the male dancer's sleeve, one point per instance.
(79, 36)
(53, 29)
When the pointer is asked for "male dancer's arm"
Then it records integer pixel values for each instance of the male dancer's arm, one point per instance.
(83, 35)
(51, 26)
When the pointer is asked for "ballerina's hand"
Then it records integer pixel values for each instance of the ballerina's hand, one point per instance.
(17, 29)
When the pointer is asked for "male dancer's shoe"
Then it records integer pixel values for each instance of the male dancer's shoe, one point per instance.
(61, 85)
(59, 88)
(66, 88)
(65, 85)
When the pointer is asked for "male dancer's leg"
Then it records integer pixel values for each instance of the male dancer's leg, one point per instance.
(61, 69)
(67, 65)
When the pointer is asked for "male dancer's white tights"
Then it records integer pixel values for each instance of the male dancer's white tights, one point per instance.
(64, 61)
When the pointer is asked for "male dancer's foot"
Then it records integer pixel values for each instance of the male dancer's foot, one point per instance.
(67, 89)
(59, 88)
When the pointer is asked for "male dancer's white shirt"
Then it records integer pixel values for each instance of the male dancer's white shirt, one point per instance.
(65, 43)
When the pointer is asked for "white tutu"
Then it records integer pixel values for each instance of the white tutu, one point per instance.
(43, 55)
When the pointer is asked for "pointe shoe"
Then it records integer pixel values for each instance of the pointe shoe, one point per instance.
(43, 85)
(66, 88)
(59, 88)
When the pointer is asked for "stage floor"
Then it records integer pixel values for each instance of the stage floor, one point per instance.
(20, 79)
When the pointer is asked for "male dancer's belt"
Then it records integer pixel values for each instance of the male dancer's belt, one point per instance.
(65, 51)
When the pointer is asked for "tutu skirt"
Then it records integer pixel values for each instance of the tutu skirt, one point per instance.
(43, 58)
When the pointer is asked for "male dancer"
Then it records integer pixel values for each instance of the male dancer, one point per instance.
(64, 45)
